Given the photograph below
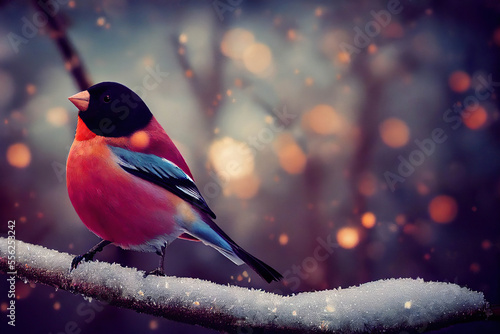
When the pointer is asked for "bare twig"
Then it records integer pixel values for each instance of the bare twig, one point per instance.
(372, 307)
(72, 61)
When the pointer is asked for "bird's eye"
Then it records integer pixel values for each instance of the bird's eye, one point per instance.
(106, 99)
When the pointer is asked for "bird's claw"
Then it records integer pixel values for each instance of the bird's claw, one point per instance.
(155, 272)
(78, 259)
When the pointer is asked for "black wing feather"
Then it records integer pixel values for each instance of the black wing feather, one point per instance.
(163, 173)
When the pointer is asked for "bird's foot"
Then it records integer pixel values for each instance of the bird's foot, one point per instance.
(155, 272)
(77, 259)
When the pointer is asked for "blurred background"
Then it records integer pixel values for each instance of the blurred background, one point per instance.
(340, 142)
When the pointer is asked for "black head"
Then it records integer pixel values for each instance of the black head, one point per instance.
(113, 110)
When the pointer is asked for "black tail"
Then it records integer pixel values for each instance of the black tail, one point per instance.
(265, 271)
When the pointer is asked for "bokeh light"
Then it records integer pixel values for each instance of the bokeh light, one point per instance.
(344, 57)
(372, 48)
(496, 36)
(368, 219)
(140, 140)
(244, 187)
(400, 219)
(23, 290)
(291, 157)
(476, 118)
(30, 89)
(367, 184)
(101, 21)
(19, 155)
(393, 30)
(486, 244)
(153, 325)
(231, 159)
(283, 239)
(324, 120)
(475, 267)
(235, 42)
(348, 237)
(57, 116)
(422, 188)
(257, 58)
(443, 209)
(394, 132)
(459, 81)
(183, 38)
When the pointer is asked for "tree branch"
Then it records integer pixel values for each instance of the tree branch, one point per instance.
(390, 306)
(72, 62)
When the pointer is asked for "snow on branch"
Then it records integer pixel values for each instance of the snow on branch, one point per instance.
(390, 306)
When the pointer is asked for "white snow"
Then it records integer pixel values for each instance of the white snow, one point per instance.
(385, 304)
(393, 304)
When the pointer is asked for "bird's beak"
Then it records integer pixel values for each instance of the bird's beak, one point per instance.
(81, 100)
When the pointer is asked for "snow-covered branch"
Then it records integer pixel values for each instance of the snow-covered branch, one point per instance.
(388, 305)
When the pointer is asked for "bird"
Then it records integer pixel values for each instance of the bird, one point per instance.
(130, 185)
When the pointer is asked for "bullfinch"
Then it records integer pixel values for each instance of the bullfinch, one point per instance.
(130, 185)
